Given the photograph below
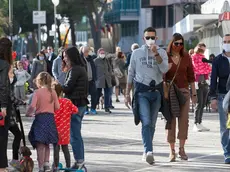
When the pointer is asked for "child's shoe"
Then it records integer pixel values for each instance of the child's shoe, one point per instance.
(15, 163)
(47, 167)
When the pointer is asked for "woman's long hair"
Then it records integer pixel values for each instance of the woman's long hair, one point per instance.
(176, 37)
(74, 57)
(6, 50)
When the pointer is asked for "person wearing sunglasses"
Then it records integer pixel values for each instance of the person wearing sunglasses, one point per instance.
(182, 74)
(146, 69)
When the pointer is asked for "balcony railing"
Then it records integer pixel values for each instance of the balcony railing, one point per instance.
(122, 8)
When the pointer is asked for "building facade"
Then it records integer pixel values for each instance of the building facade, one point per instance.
(208, 26)
(133, 16)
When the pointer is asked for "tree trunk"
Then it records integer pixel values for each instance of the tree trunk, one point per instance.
(49, 38)
(73, 36)
(97, 39)
(95, 30)
(59, 33)
(34, 47)
(66, 36)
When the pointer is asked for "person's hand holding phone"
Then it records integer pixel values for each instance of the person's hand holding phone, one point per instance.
(3, 112)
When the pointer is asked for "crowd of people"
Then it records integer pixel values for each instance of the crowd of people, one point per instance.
(160, 81)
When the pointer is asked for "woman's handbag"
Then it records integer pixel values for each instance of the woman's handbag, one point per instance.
(118, 72)
(167, 85)
(114, 81)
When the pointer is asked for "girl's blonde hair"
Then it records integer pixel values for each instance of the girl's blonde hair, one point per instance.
(198, 50)
(44, 79)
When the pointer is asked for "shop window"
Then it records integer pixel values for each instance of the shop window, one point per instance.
(170, 15)
(159, 16)
(145, 3)
(129, 29)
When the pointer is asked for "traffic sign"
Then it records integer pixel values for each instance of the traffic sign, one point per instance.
(39, 17)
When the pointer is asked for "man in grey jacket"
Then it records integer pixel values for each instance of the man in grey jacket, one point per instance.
(104, 78)
(57, 72)
(147, 66)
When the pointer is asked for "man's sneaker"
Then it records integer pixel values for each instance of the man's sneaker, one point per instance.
(86, 112)
(78, 166)
(112, 107)
(203, 128)
(227, 160)
(108, 110)
(150, 158)
(15, 163)
(197, 128)
(93, 111)
(144, 157)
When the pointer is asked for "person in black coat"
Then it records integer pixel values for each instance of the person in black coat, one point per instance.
(49, 59)
(5, 107)
(76, 89)
(92, 76)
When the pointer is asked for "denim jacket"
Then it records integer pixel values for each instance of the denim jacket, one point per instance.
(139, 87)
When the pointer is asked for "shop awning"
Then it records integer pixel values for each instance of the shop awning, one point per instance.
(194, 21)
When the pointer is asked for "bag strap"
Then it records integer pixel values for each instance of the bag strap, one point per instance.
(178, 65)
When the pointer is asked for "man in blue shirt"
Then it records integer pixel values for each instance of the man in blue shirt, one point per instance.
(219, 77)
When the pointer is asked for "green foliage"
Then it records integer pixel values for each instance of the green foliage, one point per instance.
(191, 44)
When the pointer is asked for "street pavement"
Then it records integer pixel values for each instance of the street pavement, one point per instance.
(113, 144)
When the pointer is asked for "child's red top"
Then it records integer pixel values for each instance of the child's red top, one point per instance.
(62, 119)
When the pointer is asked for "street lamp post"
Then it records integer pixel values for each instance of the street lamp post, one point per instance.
(11, 19)
(56, 3)
(39, 28)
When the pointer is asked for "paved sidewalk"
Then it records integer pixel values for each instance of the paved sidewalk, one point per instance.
(113, 144)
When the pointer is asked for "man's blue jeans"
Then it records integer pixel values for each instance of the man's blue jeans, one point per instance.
(106, 96)
(225, 135)
(76, 138)
(149, 105)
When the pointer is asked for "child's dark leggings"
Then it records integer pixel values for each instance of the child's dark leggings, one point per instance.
(65, 150)
(17, 140)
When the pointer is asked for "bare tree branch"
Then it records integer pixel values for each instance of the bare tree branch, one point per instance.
(103, 7)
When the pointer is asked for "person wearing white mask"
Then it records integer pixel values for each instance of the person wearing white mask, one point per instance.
(218, 89)
(146, 69)
(91, 71)
(49, 59)
(104, 78)
(39, 65)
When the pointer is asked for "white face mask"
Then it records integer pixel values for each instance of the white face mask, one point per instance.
(90, 53)
(11, 80)
(226, 47)
(41, 58)
(150, 42)
(102, 56)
